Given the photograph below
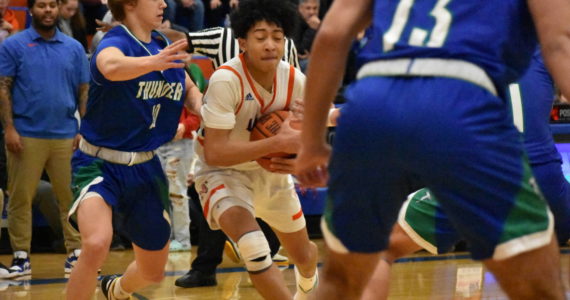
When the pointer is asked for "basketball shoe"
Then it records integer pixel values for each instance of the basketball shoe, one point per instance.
(231, 251)
(4, 271)
(108, 286)
(20, 265)
(71, 260)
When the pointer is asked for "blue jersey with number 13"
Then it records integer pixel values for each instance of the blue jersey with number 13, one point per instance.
(498, 36)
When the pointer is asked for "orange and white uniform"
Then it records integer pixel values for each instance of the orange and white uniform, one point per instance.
(233, 102)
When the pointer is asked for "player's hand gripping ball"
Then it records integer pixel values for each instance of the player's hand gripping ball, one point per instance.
(267, 126)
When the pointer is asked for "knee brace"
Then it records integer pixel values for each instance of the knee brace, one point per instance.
(255, 251)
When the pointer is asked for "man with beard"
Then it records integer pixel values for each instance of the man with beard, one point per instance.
(43, 82)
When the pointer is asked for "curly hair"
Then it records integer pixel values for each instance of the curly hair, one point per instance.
(279, 12)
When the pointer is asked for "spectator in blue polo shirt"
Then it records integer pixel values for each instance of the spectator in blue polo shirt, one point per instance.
(43, 82)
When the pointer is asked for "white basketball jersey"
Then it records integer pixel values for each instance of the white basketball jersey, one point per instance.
(234, 101)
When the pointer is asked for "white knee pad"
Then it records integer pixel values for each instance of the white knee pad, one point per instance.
(255, 251)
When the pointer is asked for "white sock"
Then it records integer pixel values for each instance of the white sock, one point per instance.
(21, 254)
(306, 284)
(118, 291)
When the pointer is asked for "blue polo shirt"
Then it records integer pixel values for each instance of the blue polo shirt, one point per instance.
(47, 75)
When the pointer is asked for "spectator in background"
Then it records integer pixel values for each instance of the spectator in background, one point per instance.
(43, 81)
(324, 6)
(8, 22)
(310, 22)
(93, 10)
(190, 14)
(72, 22)
(4, 271)
(176, 158)
(104, 25)
(217, 11)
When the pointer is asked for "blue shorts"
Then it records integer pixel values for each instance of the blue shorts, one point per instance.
(139, 193)
(458, 139)
(556, 190)
(423, 219)
(425, 222)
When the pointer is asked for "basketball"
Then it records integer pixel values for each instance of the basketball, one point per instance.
(267, 126)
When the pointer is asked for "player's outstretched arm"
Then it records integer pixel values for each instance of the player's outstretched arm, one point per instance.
(552, 21)
(115, 66)
(193, 98)
(330, 49)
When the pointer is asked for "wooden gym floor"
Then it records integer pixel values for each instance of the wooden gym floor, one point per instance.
(421, 276)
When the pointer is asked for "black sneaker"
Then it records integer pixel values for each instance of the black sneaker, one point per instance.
(195, 278)
(107, 286)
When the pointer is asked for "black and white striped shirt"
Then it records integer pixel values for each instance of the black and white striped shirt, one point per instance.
(219, 45)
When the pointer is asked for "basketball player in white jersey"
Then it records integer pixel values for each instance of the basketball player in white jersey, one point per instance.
(233, 188)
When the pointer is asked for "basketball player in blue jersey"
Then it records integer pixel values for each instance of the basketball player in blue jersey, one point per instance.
(422, 224)
(429, 103)
(137, 91)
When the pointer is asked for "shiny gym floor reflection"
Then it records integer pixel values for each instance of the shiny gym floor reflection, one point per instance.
(421, 276)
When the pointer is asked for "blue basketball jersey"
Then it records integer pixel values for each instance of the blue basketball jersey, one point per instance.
(134, 115)
(536, 92)
(498, 36)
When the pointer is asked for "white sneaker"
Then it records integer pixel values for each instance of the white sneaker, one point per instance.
(71, 260)
(20, 265)
(176, 246)
(281, 261)
(4, 271)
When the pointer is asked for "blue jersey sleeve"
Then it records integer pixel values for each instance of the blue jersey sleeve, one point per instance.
(82, 72)
(110, 40)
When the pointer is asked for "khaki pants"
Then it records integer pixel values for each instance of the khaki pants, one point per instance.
(24, 172)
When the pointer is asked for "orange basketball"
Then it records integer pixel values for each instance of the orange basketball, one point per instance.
(267, 126)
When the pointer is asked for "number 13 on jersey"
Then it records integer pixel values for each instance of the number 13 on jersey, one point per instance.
(418, 36)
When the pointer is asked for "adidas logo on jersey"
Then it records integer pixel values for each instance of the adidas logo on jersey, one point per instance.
(248, 97)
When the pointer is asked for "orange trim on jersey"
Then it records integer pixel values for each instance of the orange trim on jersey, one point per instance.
(290, 86)
(298, 215)
(252, 85)
(207, 204)
(200, 140)
(240, 83)
(274, 93)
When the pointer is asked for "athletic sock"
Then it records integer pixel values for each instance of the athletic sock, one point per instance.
(118, 291)
(306, 284)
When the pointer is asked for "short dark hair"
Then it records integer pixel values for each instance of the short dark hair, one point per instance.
(249, 12)
(32, 2)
